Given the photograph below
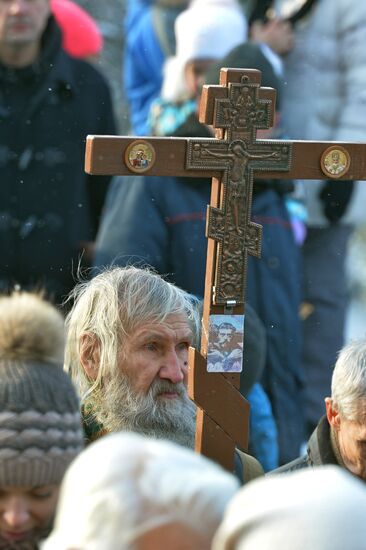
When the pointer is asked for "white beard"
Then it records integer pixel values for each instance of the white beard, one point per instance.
(122, 409)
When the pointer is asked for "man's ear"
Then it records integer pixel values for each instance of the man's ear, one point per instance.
(332, 413)
(90, 354)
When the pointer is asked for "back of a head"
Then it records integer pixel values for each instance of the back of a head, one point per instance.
(316, 508)
(40, 426)
(247, 56)
(141, 485)
(112, 305)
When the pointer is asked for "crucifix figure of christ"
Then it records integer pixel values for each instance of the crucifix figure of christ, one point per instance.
(237, 108)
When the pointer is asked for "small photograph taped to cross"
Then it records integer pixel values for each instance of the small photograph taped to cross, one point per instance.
(225, 343)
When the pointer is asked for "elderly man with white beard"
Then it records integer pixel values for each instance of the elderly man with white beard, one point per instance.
(129, 332)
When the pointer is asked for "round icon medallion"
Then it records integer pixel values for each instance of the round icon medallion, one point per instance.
(335, 161)
(140, 156)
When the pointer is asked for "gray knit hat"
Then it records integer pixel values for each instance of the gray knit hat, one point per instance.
(40, 425)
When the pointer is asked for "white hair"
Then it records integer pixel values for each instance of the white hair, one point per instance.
(349, 380)
(125, 485)
(319, 508)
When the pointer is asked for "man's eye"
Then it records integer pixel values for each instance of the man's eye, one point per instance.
(42, 495)
(183, 345)
(151, 346)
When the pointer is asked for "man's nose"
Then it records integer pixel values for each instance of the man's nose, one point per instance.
(16, 513)
(173, 368)
(18, 6)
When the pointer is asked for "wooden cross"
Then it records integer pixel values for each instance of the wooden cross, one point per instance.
(236, 109)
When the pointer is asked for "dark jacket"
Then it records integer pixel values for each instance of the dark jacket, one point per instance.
(48, 205)
(161, 222)
(319, 452)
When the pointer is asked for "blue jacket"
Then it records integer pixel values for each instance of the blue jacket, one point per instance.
(161, 222)
(142, 69)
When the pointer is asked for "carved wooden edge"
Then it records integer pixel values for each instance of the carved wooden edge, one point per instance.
(213, 442)
(220, 400)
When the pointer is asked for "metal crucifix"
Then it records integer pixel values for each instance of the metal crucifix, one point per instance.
(236, 109)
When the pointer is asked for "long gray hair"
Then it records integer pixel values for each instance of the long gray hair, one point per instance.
(108, 309)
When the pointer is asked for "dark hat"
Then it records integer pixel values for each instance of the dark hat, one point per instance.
(247, 56)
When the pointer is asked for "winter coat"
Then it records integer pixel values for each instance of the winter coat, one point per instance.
(48, 206)
(161, 222)
(142, 70)
(319, 451)
(325, 92)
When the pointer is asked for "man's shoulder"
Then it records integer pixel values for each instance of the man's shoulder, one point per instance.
(297, 464)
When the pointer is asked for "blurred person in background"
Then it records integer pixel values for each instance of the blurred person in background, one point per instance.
(319, 509)
(149, 494)
(49, 102)
(340, 436)
(324, 99)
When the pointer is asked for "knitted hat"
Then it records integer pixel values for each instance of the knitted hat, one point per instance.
(208, 29)
(40, 426)
(81, 35)
(246, 56)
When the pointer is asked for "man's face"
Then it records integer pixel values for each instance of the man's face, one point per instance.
(194, 74)
(225, 335)
(148, 392)
(351, 437)
(352, 446)
(22, 22)
(157, 351)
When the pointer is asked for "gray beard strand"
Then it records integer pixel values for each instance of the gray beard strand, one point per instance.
(121, 409)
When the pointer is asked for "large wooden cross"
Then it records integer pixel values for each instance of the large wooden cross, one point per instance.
(236, 109)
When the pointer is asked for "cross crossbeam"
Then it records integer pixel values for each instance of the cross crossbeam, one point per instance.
(236, 109)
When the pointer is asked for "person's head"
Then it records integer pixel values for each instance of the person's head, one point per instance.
(22, 23)
(40, 425)
(206, 31)
(225, 333)
(127, 351)
(148, 494)
(249, 56)
(346, 408)
(316, 508)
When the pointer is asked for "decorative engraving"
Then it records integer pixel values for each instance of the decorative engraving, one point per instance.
(140, 156)
(241, 114)
(335, 161)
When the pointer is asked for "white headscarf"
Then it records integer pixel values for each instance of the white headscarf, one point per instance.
(208, 29)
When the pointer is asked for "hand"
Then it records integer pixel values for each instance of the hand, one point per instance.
(276, 33)
(215, 356)
(236, 354)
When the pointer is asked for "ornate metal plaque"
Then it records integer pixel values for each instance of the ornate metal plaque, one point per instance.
(241, 114)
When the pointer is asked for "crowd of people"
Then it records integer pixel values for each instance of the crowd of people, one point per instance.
(102, 281)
